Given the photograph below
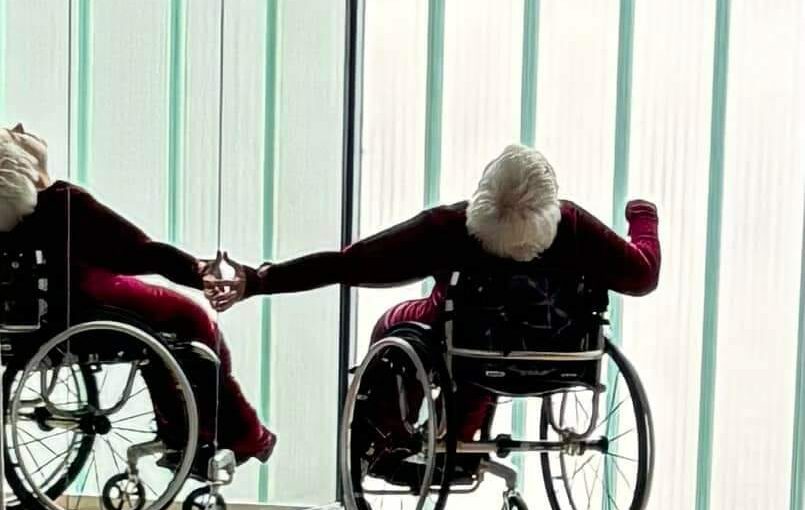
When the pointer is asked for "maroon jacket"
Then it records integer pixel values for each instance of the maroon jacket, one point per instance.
(66, 216)
(436, 242)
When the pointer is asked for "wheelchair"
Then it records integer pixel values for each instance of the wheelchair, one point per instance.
(100, 414)
(512, 332)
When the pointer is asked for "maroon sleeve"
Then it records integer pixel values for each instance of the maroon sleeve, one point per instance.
(631, 268)
(100, 237)
(411, 250)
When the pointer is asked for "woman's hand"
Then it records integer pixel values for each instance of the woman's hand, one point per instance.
(639, 207)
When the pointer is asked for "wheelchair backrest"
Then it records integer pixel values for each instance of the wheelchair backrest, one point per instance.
(515, 308)
(23, 286)
(516, 329)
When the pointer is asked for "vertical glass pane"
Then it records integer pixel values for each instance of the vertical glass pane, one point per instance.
(241, 178)
(393, 137)
(576, 82)
(669, 165)
(128, 114)
(35, 74)
(307, 218)
(760, 256)
(197, 108)
(483, 43)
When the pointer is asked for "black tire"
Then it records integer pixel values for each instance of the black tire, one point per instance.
(199, 500)
(129, 349)
(516, 502)
(434, 365)
(27, 500)
(645, 440)
(437, 363)
(113, 488)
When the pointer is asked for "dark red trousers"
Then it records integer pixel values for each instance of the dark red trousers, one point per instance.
(239, 428)
(473, 404)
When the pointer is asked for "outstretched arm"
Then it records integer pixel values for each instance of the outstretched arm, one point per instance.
(411, 250)
(631, 268)
(103, 238)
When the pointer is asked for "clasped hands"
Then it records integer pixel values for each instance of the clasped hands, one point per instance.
(222, 290)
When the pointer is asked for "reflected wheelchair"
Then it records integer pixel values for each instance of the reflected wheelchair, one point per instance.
(510, 331)
(101, 414)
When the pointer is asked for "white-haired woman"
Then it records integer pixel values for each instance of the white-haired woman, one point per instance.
(515, 214)
(105, 251)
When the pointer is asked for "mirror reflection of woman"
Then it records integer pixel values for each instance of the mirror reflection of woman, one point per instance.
(106, 252)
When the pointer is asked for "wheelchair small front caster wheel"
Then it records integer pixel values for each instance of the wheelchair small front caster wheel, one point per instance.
(203, 499)
(122, 493)
(514, 502)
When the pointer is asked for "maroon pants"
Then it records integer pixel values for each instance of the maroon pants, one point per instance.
(473, 404)
(239, 428)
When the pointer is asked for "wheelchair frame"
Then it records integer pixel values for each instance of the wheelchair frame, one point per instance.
(571, 442)
(221, 466)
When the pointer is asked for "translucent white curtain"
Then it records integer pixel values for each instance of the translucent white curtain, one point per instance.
(127, 113)
(197, 108)
(483, 41)
(35, 73)
(576, 78)
(304, 343)
(241, 175)
(669, 164)
(393, 139)
(760, 256)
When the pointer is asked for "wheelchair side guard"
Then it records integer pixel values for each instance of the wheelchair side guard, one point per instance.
(405, 330)
(408, 327)
(205, 352)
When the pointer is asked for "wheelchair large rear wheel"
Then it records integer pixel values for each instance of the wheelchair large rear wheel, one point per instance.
(131, 370)
(76, 389)
(616, 476)
(396, 413)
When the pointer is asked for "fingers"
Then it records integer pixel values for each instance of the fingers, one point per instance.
(224, 300)
(223, 294)
(236, 265)
(221, 283)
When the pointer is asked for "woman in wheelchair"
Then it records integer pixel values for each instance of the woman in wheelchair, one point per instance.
(99, 252)
(515, 214)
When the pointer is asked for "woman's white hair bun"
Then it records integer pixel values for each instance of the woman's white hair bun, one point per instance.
(515, 211)
(18, 194)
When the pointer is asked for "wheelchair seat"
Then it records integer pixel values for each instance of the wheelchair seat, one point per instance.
(516, 330)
